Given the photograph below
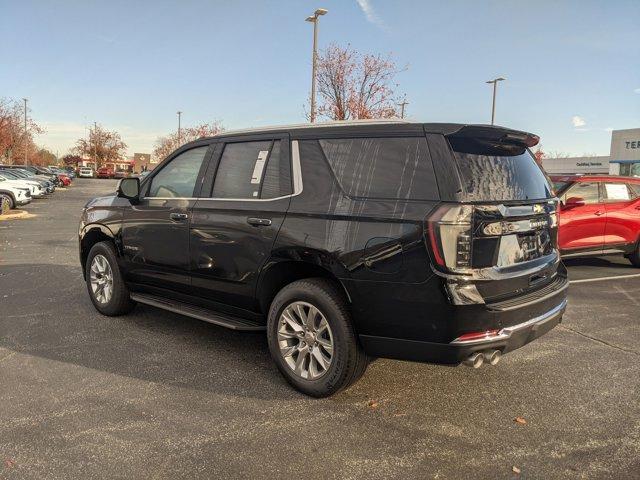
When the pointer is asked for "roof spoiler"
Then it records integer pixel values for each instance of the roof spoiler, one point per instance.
(496, 134)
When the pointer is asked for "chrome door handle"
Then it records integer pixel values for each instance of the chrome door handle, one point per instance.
(178, 216)
(259, 222)
(598, 213)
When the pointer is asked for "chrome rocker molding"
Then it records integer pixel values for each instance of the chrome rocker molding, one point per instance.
(506, 332)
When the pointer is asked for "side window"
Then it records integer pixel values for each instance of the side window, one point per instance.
(394, 168)
(635, 190)
(588, 191)
(616, 192)
(252, 170)
(178, 177)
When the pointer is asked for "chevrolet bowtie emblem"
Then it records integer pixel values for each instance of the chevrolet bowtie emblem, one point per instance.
(537, 208)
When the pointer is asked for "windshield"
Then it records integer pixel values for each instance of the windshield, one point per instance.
(496, 171)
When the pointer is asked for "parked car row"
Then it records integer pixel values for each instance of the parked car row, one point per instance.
(108, 172)
(20, 184)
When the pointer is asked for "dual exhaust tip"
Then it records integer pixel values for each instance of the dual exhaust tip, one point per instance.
(477, 359)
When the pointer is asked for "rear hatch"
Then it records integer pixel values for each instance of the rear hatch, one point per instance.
(500, 230)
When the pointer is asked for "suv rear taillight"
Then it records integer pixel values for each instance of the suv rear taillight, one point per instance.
(450, 236)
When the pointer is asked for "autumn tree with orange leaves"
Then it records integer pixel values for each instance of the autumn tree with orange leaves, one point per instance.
(13, 138)
(355, 86)
(102, 145)
(167, 144)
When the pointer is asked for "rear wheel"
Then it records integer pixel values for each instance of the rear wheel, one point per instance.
(312, 340)
(106, 287)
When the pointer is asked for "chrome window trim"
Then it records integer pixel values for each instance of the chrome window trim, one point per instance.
(297, 184)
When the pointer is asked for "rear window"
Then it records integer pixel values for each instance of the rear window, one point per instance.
(386, 168)
(492, 171)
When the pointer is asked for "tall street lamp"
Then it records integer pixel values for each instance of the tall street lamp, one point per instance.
(26, 161)
(179, 128)
(314, 19)
(493, 106)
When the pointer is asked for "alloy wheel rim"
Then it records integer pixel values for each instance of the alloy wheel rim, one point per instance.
(101, 279)
(305, 340)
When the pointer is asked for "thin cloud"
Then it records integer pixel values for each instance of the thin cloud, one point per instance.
(370, 13)
(637, 90)
(578, 121)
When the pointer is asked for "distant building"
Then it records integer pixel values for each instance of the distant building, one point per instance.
(625, 152)
(571, 165)
(143, 162)
(624, 158)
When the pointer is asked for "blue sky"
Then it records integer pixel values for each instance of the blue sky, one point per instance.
(572, 68)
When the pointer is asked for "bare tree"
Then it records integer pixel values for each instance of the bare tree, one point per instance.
(167, 144)
(103, 146)
(355, 86)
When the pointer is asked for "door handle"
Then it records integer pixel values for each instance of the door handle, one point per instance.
(259, 222)
(598, 213)
(178, 216)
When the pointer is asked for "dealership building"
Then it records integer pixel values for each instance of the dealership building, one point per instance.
(623, 159)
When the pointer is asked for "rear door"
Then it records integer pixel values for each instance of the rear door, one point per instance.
(582, 226)
(244, 200)
(623, 214)
(155, 231)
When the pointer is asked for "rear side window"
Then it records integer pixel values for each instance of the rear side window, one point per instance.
(252, 170)
(616, 192)
(635, 190)
(393, 168)
(493, 171)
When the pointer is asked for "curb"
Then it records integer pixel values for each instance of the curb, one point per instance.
(16, 214)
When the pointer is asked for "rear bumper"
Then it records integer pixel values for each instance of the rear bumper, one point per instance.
(508, 339)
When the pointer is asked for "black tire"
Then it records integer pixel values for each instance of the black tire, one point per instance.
(9, 200)
(634, 257)
(348, 361)
(119, 302)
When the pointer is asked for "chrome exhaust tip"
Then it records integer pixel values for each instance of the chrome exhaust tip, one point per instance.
(492, 357)
(475, 360)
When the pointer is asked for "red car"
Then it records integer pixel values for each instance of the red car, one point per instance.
(104, 172)
(599, 215)
(64, 179)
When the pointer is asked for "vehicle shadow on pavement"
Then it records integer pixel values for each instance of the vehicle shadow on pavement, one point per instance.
(147, 344)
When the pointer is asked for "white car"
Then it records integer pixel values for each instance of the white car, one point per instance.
(86, 172)
(15, 196)
(35, 188)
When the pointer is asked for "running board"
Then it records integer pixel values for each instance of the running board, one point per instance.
(221, 319)
(594, 253)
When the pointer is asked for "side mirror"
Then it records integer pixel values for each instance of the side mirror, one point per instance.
(129, 188)
(574, 202)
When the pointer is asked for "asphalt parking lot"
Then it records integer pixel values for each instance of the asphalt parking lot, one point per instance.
(156, 395)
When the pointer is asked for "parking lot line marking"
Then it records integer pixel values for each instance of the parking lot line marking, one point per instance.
(598, 279)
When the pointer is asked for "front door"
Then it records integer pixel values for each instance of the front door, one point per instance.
(582, 218)
(234, 227)
(155, 232)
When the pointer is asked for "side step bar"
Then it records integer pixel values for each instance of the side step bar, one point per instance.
(222, 319)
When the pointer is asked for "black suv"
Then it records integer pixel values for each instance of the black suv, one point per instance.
(424, 242)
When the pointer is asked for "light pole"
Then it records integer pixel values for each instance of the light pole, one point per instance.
(493, 105)
(179, 128)
(26, 160)
(314, 19)
(403, 104)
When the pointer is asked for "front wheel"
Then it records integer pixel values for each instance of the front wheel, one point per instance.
(106, 287)
(634, 257)
(4, 198)
(312, 340)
